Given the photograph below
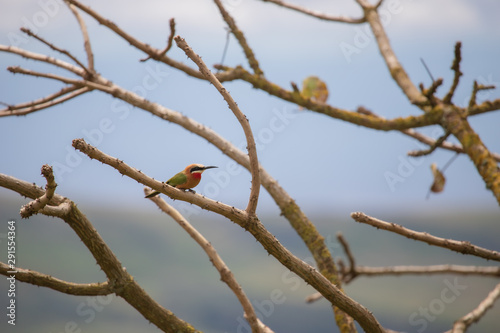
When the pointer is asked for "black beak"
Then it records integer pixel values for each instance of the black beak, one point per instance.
(209, 167)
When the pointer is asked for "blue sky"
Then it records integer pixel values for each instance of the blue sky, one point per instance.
(325, 164)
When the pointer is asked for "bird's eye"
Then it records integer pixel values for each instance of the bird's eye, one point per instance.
(196, 168)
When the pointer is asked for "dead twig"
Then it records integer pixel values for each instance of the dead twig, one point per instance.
(39, 203)
(461, 325)
(463, 247)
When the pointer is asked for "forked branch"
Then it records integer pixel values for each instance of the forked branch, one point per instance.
(44, 280)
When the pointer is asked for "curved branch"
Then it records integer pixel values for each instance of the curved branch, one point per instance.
(43, 58)
(463, 247)
(70, 288)
(53, 47)
(252, 150)
(39, 203)
(397, 71)
(224, 271)
(86, 39)
(461, 325)
(252, 61)
(23, 109)
(316, 14)
(456, 78)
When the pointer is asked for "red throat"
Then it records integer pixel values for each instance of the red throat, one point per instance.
(196, 175)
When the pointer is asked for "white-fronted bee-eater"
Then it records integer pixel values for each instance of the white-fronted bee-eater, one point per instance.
(186, 179)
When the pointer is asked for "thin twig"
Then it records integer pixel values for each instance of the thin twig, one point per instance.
(437, 143)
(55, 48)
(319, 15)
(240, 37)
(461, 325)
(456, 78)
(252, 151)
(396, 70)
(476, 88)
(483, 271)
(347, 274)
(44, 280)
(43, 58)
(19, 70)
(169, 41)
(463, 247)
(22, 109)
(86, 39)
(39, 203)
(429, 93)
(224, 271)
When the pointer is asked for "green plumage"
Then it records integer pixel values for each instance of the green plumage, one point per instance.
(178, 179)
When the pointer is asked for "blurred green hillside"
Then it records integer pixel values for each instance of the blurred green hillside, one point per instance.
(176, 272)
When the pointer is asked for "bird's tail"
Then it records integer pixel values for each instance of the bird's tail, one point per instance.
(152, 194)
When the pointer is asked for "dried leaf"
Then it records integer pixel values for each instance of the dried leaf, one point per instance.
(439, 180)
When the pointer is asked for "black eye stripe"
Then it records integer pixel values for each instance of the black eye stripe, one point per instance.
(196, 168)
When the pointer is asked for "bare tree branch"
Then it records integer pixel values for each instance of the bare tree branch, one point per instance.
(252, 150)
(437, 143)
(455, 121)
(367, 271)
(397, 71)
(456, 68)
(86, 39)
(252, 61)
(170, 41)
(463, 247)
(476, 88)
(22, 109)
(427, 270)
(462, 324)
(20, 70)
(43, 58)
(316, 14)
(34, 206)
(224, 271)
(53, 47)
(44, 280)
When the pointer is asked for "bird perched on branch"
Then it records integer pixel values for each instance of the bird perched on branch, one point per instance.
(186, 179)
